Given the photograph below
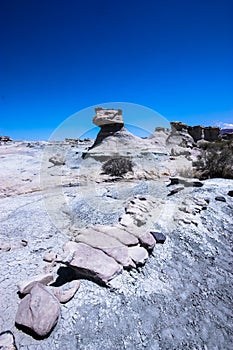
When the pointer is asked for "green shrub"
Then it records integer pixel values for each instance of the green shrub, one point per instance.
(216, 160)
(117, 166)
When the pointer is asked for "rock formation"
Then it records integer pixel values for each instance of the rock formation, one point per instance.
(211, 133)
(197, 132)
(5, 139)
(114, 139)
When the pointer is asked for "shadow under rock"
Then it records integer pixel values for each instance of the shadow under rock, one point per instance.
(65, 275)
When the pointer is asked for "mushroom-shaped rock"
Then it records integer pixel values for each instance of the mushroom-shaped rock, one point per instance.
(38, 311)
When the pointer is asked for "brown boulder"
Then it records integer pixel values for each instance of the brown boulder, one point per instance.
(38, 311)
(93, 263)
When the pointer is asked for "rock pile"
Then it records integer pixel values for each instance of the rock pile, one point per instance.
(98, 253)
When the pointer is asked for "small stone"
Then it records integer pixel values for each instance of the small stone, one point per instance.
(176, 190)
(220, 199)
(138, 254)
(7, 341)
(159, 236)
(50, 256)
(26, 285)
(230, 193)
(66, 292)
(5, 246)
(24, 242)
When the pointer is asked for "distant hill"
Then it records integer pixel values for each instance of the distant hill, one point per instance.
(226, 131)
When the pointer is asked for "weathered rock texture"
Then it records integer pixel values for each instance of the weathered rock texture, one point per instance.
(107, 116)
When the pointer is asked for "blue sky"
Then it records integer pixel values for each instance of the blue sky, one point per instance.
(58, 57)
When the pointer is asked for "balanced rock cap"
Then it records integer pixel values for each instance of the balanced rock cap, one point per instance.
(106, 116)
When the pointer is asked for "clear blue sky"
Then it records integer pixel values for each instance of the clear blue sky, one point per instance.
(60, 56)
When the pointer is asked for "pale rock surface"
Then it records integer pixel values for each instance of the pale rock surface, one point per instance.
(65, 292)
(25, 287)
(109, 245)
(120, 234)
(138, 254)
(7, 341)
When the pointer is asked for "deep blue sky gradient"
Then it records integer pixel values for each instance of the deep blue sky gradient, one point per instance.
(60, 56)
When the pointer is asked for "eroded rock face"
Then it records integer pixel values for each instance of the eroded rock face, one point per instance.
(38, 311)
(196, 132)
(178, 126)
(211, 133)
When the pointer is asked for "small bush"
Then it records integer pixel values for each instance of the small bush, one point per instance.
(216, 160)
(117, 166)
(186, 172)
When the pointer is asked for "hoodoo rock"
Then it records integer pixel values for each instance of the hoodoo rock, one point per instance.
(113, 138)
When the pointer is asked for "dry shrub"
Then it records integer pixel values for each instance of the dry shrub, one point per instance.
(117, 166)
(215, 161)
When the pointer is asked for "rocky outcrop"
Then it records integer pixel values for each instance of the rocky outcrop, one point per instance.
(211, 133)
(197, 132)
(5, 139)
(178, 126)
(38, 311)
(114, 139)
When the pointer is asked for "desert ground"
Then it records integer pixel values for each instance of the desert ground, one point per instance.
(172, 294)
